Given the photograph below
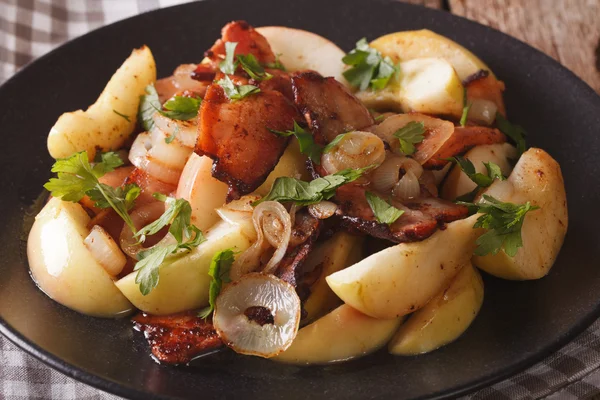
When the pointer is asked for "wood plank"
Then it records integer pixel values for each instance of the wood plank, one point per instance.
(568, 30)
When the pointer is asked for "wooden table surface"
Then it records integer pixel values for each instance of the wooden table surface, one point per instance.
(567, 30)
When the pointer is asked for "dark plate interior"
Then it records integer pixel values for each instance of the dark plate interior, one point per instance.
(519, 323)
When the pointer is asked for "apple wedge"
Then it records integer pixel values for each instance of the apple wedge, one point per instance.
(64, 268)
(444, 318)
(300, 50)
(536, 178)
(292, 163)
(184, 281)
(409, 45)
(342, 334)
(337, 253)
(106, 124)
(403, 278)
(457, 183)
(424, 85)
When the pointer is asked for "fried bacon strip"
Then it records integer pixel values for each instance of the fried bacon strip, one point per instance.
(329, 108)
(177, 338)
(248, 40)
(235, 134)
(482, 85)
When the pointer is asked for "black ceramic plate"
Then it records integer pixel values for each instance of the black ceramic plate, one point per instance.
(519, 323)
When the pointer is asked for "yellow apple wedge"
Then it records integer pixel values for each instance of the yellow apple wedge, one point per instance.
(536, 178)
(444, 318)
(457, 183)
(106, 124)
(64, 268)
(337, 253)
(292, 163)
(403, 278)
(300, 50)
(342, 334)
(184, 281)
(409, 45)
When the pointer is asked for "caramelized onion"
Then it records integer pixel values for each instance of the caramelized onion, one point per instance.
(408, 187)
(273, 227)
(323, 209)
(356, 150)
(257, 315)
(388, 174)
(483, 110)
(105, 250)
(185, 132)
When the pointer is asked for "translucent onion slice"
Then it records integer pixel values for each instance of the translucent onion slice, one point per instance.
(277, 306)
(105, 250)
(388, 174)
(483, 110)
(139, 149)
(141, 216)
(408, 187)
(273, 227)
(323, 210)
(357, 150)
(173, 155)
(185, 132)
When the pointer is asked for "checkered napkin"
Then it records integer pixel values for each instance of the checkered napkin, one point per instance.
(29, 29)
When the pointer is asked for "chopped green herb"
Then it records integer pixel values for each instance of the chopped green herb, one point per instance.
(250, 64)
(466, 108)
(149, 103)
(76, 178)
(409, 135)
(228, 65)
(480, 179)
(122, 115)
(384, 212)
(169, 139)
(181, 107)
(369, 67)
(234, 92)
(515, 132)
(336, 140)
(220, 265)
(277, 64)
(305, 140)
(503, 222)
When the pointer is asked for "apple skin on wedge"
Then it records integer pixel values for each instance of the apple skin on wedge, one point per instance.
(342, 334)
(536, 178)
(444, 318)
(403, 278)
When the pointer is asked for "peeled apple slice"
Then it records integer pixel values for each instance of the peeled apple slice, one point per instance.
(64, 268)
(536, 178)
(424, 85)
(403, 278)
(337, 253)
(184, 281)
(100, 127)
(409, 45)
(292, 163)
(458, 183)
(342, 334)
(300, 50)
(257, 315)
(444, 318)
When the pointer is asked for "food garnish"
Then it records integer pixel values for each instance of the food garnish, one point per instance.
(369, 67)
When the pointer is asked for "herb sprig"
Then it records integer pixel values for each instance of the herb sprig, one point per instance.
(236, 92)
(409, 135)
(384, 212)
(220, 265)
(368, 67)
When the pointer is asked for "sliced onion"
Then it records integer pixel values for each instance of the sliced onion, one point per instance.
(159, 170)
(427, 180)
(185, 132)
(140, 217)
(388, 174)
(323, 210)
(408, 187)
(483, 110)
(357, 150)
(255, 291)
(105, 250)
(439, 175)
(174, 154)
(273, 227)
(239, 212)
(139, 149)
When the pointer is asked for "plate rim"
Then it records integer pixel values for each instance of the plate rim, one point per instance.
(123, 390)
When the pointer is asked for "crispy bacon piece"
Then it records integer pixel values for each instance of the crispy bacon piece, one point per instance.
(482, 85)
(304, 234)
(281, 82)
(248, 40)
(177, 338)
(235, 135)
(461, 140)
(420, 220)
(329, 108)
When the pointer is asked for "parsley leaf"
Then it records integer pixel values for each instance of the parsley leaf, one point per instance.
(480, 179)
(148, 266)
(409, 135)
(503, 222)
(228, 65)
(304, 193)
(181, 107)
(277, 64)
(515, 132)
(220, 265)
(466, 108)
(149, 103)
(122, 115)
(369, 67)
(177, 215)
(384, 212)
(305, 140)
(250, 64)
(169, 139)
(336, 140)
(234, 92)
(76, 178)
